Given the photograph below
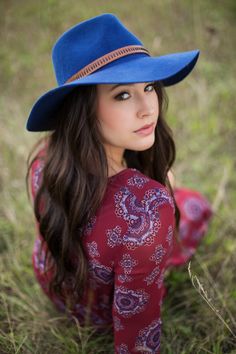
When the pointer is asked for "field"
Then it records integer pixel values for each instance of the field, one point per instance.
(199, 313)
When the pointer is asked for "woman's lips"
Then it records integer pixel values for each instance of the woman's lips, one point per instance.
(146, 131)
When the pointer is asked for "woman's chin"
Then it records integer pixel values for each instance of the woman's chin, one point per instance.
(144, 144)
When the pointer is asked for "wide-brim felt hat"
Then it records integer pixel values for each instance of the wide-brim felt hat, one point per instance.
(102, 50)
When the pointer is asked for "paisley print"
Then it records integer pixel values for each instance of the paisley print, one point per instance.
(100, 273)
(128, 263)
(149, 338)
(142, 216)
(93, 249)
(117, 324)
(160, 280)
(126, 243)
(138, 181)
(124, 278)
(90, 225)
(152, 276)
(193, 208)
(169, 237)
(39, 256)
(37, 176)
(43, 262)
(122, 349)
(157, 256)
(114, 236)
(159, 196)
(129, 302)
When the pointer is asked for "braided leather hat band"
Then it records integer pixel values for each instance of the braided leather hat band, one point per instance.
(106, 59)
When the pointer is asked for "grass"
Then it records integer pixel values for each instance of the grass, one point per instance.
(201, 113)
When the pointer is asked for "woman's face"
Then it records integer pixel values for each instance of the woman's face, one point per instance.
(124, 109)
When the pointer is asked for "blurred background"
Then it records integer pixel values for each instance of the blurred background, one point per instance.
(202, 115)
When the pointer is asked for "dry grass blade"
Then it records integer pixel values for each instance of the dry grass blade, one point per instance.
(222, 187)
(200, 289)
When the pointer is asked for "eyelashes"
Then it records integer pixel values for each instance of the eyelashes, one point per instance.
(120, 96)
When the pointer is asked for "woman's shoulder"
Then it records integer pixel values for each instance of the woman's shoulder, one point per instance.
(131, 181)
(132, 177)
(130, 194)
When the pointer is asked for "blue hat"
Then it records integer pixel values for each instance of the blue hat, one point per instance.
(102, 50)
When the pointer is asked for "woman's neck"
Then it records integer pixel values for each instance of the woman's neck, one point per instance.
(115, 159)
(115, 167)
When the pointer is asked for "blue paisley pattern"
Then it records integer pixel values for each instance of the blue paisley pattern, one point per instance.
(114, 236)
(128, 263)
(152, 276)
(93, 249)
(138, 181)
(169, 236)
(39, 256)
(90, 225)
(149, 338)
(122, 349)
(193, 208)
(100, 273)
(37, 176)
(142, 217)
(129, 302)
(124, 278)
(157, 256)
(117, 324)
(160, 280)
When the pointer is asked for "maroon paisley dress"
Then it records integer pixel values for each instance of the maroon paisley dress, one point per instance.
(129, 244)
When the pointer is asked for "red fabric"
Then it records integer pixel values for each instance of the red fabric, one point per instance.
(129, 244)
(195, 216)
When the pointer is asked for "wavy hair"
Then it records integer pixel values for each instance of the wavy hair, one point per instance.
(75, 177)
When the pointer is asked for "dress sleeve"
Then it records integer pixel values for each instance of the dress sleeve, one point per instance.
(195, 215)
(139, 273)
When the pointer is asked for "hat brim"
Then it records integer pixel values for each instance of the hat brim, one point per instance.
(169, 69)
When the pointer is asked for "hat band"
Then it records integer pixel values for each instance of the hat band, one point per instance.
(106, 59)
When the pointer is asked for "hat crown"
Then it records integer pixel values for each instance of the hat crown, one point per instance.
(88, 41)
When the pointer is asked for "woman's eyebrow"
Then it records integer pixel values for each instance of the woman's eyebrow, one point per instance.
(120, 85)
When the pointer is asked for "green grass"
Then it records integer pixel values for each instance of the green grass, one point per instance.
(202, 115)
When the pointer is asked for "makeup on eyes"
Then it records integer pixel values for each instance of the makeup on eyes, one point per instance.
(120, 85)
(123, 92)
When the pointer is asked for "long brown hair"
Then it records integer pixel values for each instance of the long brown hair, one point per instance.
(75, 179)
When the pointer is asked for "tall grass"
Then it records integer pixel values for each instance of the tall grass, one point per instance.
(202, 115)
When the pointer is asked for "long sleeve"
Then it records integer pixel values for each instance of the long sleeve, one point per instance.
(196, 213)
(139, 271)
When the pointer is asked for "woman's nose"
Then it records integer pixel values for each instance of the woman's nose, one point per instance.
(145, 107)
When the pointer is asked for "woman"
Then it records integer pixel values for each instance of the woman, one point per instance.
(106, 213)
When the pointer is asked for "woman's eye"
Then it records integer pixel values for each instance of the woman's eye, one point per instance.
(150, 87)
(122, 96)
(125, 95)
